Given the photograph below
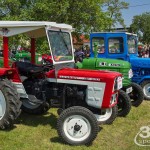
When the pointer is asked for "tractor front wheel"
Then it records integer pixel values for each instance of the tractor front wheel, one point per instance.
(124, 104)
(137, 95)
(77, 126)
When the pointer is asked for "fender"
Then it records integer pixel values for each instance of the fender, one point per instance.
(11, 74)
(139, 81)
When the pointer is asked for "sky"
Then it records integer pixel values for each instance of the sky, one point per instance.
(136, 7)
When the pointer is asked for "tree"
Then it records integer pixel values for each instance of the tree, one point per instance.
(141, 26)
(114, 8)
(85, 16)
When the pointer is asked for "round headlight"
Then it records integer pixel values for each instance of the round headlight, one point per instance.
(130, 73)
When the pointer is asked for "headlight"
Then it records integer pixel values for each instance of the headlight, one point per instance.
(130, 73)
(119, 80)
(117, 83)
(39, 59)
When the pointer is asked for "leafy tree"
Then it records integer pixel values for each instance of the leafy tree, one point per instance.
(85, 16)
(141, 26)
(113, 9)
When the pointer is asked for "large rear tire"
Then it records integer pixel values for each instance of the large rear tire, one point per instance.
(77, 126)
(146, 89)
(9, 104)
(137, 95)
(124, 104)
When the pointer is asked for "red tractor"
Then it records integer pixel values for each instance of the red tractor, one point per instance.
(83, 97)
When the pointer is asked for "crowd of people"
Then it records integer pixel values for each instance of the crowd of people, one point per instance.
(144, 51)
(81, 53)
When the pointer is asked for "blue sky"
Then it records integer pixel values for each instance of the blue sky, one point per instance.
(134, 9)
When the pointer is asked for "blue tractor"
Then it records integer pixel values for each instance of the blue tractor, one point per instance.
(123, 46)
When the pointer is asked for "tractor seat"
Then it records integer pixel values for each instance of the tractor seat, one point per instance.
(27, 68)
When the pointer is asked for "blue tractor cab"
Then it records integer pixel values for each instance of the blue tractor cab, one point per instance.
(123, 46)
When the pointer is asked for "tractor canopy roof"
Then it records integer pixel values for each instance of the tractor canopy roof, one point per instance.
(33, 29)
(115, 33)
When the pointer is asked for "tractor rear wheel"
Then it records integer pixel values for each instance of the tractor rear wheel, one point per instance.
(124, 104)
(9, 104)
(77, 126)
(137, 95)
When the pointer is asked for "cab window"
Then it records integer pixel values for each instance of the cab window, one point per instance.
(115, 45)
(132, 44)
(100, 44)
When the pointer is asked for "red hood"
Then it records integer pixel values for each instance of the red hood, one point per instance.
(106, 77)
(93, 75)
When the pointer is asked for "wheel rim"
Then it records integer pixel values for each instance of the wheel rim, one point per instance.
(30, 105)
(77, 128)
(146, 90)
(105, 114)
(2, 105)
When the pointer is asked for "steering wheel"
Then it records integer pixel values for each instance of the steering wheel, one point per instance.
(48, 67)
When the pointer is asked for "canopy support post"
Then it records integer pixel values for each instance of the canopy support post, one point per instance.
(5, 52)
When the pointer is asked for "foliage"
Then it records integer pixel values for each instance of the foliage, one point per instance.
(85, 16)
(114, 8)
(141, 26)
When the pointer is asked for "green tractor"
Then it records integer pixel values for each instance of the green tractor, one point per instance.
(21, 56)
(26, 56)
(130, 90)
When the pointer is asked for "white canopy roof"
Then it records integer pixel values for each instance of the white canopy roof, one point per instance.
(31, 28)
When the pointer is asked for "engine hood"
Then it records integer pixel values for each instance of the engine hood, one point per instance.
(87, 75)
(140, 62)
(95, 63)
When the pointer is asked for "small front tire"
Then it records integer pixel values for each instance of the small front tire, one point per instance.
(124, 104)
(137, 95)
(77, 126)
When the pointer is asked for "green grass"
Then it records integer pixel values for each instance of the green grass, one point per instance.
(39, 133)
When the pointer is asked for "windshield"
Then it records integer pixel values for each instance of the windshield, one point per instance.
(132, 44)
(60, 45)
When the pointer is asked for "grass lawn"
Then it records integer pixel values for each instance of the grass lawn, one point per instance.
(39, 133)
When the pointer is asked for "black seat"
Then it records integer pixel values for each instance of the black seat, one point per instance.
(27, 68)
